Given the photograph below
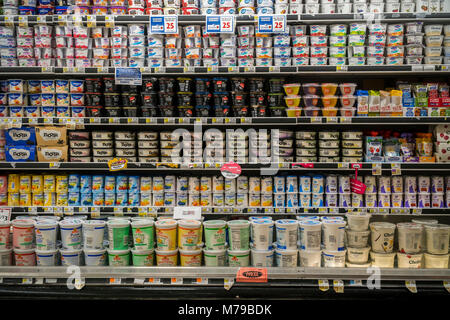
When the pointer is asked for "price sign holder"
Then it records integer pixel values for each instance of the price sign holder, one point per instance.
(128, 76)
(187, 213)
(271, 23)
(220, 24)
(163, 24)
(5, 214)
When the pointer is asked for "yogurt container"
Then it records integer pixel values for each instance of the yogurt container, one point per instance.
(333, 259)
(382, 234)
(238, 258)
(286, 258)
(262, 258)
(286, 231)
(409, 261)
(437, 238)
(94, 257)
(215, 258)
(334, 234)
(119, 258)
(409, 237)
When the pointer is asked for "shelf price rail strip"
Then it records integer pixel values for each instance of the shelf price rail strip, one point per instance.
(240, 19)
(213, 121)
(274, 273)
(344, 70)
(211, 210)
(213, 167)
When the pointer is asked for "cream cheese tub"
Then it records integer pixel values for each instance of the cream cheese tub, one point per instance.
(310, 258)
(333, 259)
(262, 258)
(190, 258)
(286, 258)
(119, 258)
(358, 255)
(409, 261)
(238, 258)
(238, 234)
(409, 237)
(118, 234)
(382, 234)
(437, 238)
(189, 233)
(166, 234)
(143, 234)
(382, 260)
(214, 258)
(166, 258)
(436, 261)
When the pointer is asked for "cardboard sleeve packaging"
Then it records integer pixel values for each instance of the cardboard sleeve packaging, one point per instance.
(51, 136)
(52, 153)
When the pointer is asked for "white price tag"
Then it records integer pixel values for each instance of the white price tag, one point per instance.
(220, 24)
(201, 281)
(355, 283)
(51, 280)
(115, 280)
(342, 68)
(139, 281)
(27, 280)
(23, 21)
(324, 285)
(187, 213)
(39, 281)
(271, 23)
(176, 280)
(154, 280)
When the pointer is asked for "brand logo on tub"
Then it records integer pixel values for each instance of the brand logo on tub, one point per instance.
(17, 135)
(52, 154)
(50, 134)
(17, 154)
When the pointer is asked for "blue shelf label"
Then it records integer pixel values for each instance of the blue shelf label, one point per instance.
(271, 23)
(128, 76)
(164, 24)
(220, 24)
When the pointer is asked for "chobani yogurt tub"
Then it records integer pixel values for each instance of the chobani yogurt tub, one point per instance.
(409, 261)
(436, 261)
(382, 260)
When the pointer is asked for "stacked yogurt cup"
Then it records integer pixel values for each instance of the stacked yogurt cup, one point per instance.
(333, 241)
(310, 237)
(382, 236)
(357, 238)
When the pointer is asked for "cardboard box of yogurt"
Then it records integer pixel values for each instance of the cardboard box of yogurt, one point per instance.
(52, 153)
(51, 136)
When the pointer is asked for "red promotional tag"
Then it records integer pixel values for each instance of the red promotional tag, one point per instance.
(251, 275)
(304, 165)
(231, 170)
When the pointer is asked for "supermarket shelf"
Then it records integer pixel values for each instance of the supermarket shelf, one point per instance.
(214, 167)
(185, 273)
(154, 211)
(225, 121)
(344, 70)
(304, 70)
(240, 19)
